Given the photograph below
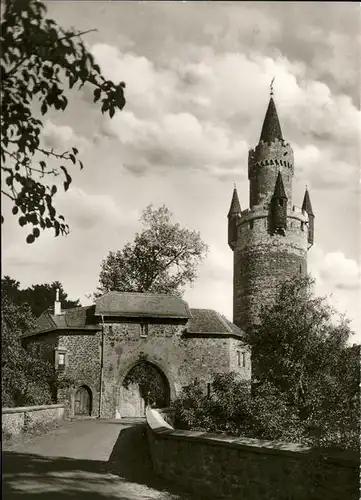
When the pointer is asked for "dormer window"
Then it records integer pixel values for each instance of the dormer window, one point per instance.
(144, 330)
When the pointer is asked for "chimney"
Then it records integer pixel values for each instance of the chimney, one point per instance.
(57, 304)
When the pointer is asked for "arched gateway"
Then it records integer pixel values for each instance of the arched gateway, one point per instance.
(144, 384)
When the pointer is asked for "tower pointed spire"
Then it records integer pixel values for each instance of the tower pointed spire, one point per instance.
(235, 207)
(306, 204)
(271, 128)
(279, 191)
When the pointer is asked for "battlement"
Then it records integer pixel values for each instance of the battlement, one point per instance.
(264, 148)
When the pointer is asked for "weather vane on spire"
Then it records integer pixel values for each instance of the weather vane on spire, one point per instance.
(271, 86)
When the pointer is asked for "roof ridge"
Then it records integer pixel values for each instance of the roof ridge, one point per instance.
(145, 293)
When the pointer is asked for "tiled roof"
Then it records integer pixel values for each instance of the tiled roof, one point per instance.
(200, 321)
(45, 321)
(130, 305)
(209, 321)
(271, 129)
(70, 319)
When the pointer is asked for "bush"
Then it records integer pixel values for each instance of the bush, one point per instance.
(232, 409)
(266, 413)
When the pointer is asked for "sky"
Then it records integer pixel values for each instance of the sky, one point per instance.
(197, 80)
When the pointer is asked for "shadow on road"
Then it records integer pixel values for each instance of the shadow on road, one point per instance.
(127, 475)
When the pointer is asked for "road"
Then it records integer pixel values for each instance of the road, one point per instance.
(84, 459)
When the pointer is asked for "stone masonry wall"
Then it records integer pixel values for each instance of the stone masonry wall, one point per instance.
(180, 359)
(83, 365)
(124, 347)
(16, 421)
(233, 468)
(261, 262)
(238, 346)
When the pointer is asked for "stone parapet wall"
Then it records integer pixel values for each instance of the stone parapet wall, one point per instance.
(226, 467)
(16, 421)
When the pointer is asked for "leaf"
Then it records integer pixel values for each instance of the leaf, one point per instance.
(72, 157)
(44, 108)
(68, 180)
(75, 151)
(105, 106)
(97, 94)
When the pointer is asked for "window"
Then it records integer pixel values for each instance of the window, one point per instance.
(110, 329)
(61, 360)
(208, 389)
(241, 359)
(144, 330)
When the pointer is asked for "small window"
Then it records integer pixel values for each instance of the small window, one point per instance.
(251, 224)
(208, 389)
(110, 329)
(61, 361)
(144, 330)
(241, 359)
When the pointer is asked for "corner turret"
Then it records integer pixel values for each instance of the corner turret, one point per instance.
(279, 207)
(233, 214)
(307, 207)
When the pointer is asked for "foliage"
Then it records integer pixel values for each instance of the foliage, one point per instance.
(306, 378)
(37, 59)
(39, 297)
(300, 347)
(162, 259)
(151, 383)
(25, 375)
(231, 408)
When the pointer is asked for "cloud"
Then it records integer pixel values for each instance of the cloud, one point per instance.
(204, 110)
(335, 269)
(320, 168)
(340, 271)
(178, 141)
(87, 211)
(61, 137)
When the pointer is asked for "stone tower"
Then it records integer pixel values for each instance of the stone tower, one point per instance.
(271, 238)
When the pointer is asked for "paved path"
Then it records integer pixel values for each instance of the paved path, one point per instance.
(88, 459)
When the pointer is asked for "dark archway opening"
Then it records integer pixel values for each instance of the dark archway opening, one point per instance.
(83, 401)
(147, 382)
